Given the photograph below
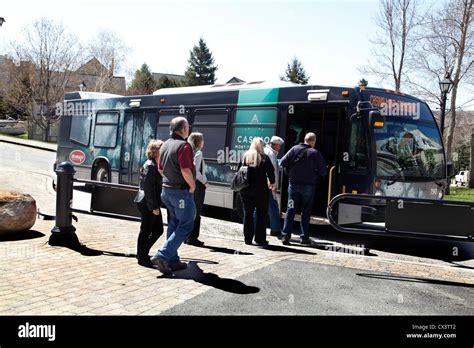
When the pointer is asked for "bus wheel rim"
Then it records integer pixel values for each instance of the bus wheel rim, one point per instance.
(102, 175)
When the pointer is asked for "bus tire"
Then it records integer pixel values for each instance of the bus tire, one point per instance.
(101, 172)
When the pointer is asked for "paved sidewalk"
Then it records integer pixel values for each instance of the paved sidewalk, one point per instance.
(37, 279)
(29, 143)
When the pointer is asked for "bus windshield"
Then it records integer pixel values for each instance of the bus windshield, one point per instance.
(409, 150)
(409, 145)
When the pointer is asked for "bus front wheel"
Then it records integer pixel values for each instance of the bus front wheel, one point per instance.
(101, 173)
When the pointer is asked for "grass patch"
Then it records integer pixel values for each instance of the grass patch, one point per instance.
(21, 136)
(460, 194)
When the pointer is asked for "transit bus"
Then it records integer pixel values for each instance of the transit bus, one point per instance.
(374, 141)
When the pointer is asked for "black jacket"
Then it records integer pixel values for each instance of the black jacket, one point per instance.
(309, 169)
(258, 178)
(149, 194)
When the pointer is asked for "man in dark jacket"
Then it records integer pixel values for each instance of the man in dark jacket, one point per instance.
(305, 165)
(148, 201)
(179, 183)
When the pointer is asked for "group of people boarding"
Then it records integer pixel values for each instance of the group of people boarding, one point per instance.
(174, 176)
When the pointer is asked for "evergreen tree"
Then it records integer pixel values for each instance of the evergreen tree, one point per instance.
(201, 69)
(143, 82)
(295, 73)
(167, 82)
(363, 82)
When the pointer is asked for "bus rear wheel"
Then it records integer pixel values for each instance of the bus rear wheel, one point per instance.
(101, 173)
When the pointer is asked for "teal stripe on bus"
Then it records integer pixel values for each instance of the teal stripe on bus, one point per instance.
(266, 96)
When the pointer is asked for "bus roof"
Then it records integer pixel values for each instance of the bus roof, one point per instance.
(290, 92)
(89, 95)
(224, 87)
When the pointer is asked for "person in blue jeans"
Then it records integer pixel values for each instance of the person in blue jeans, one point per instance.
(179, 183)
(305, 165)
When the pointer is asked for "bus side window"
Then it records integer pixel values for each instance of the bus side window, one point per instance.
(106, 127)
(212, 123)
(80, 129)
(358, 146)
(163, 125)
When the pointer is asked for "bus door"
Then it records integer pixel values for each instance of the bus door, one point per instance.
(326, 122)
(132, 145)
(355, 169)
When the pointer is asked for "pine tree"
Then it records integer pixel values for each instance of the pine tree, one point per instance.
(143, 83)
(295, 73)
(363, 82)
(201, 69)
(168, 82)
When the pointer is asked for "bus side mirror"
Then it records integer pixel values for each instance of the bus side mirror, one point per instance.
(376, 119)
(450, 168)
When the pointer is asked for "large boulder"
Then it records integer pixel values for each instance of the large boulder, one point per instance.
(17, 212)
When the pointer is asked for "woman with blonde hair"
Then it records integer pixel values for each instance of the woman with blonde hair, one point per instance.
(148, 201)
(255, 197)
(197, 143)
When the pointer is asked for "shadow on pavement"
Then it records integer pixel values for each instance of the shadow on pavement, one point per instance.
(460, 266)
(209, 262)
(71, 242)
(193, 272)
(281, 248)
(225, 250)
(23, 235)
(434, 249)
(339, 248)
(112, 253)
(414, 279)
(331, 247)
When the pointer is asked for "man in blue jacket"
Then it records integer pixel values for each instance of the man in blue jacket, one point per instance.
(304, 165)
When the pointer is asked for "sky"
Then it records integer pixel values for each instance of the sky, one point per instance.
(250, 39)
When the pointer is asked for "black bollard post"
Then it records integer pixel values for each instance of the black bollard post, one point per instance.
(63, 234)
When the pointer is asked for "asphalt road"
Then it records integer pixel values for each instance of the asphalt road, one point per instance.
(299, 288)
(26, 159)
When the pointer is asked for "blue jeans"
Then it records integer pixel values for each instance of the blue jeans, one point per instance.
(181, 214)
(273, 213)
(299, 196)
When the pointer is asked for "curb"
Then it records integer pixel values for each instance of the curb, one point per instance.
(27, 145)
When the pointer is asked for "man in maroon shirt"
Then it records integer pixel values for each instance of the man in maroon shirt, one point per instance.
(179, 182)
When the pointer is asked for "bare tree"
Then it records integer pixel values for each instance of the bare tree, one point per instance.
(461, 20)
(464, 126)
(46, 58)
(397, 21)
(471, 169)
(447, 48)
(110, 50)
